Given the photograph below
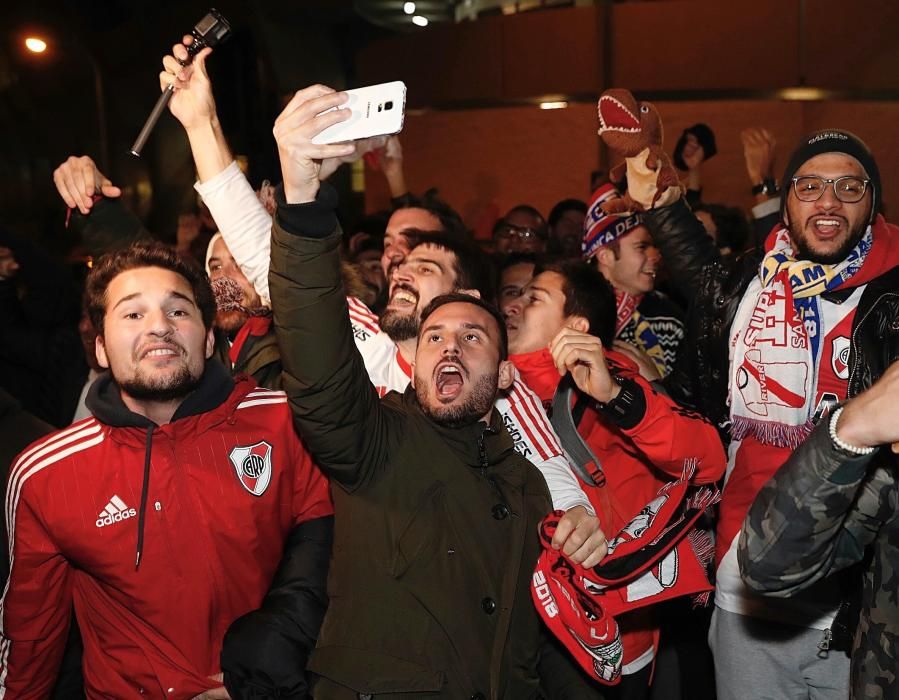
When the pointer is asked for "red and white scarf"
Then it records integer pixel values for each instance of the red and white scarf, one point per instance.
(626, 307)
(775, 346)
(658, 555)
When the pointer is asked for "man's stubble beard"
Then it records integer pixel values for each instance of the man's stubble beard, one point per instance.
(399, 326)
(805, 252)
(170, 388)
(800, 238)
(475, 407)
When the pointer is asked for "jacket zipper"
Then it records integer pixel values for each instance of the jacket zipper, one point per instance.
(482, 450)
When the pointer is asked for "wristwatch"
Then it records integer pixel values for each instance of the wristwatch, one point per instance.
(767, 187)
(628, 408)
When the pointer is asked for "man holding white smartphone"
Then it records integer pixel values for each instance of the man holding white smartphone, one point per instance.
(436, 539)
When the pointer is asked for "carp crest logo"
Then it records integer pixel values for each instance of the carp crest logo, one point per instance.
(253, 465)
(840, 358)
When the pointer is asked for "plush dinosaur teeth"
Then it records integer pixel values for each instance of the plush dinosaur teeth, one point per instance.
(615, 116)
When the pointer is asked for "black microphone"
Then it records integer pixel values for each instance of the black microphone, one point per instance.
(210, 31)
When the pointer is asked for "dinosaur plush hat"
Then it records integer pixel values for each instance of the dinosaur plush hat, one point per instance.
(601, 229)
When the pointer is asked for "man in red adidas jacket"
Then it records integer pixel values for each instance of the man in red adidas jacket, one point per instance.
(164, 517)
(564, 321)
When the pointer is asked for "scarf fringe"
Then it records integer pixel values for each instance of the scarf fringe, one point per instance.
(703, 545)
(701, 600)
(703, 498)
(771, 433)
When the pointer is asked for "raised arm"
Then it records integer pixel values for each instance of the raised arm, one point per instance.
(685, 246)
(242, 219)
(335, 407)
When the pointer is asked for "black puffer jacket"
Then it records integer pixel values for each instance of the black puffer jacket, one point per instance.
(716, 287)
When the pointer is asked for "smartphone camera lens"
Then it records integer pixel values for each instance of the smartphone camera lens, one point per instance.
(388, 105)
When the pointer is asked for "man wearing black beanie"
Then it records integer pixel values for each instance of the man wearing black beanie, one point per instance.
(776, 340)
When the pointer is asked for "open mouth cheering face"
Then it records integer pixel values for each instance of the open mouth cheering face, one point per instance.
(827, 229)
(457, 364)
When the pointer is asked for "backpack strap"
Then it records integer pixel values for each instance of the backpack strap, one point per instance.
(584, 463)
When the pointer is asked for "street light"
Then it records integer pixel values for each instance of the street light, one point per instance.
(38, 45)
(35, 44)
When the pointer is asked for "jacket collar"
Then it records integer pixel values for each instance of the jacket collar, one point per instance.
(477, 444)
(538, 371)
(105, 400)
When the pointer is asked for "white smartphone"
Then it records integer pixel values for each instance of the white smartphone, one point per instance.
(377, 110)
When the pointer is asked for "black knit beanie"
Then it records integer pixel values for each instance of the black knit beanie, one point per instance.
(832, 141)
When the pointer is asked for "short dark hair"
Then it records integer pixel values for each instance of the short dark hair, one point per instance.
(138, 255)
(451, 223)
(526, 209)
(566, 205)
(472, 266)
(461, 298)
(588, 294)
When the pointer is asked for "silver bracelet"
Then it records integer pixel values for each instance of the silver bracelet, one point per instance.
(842, 444)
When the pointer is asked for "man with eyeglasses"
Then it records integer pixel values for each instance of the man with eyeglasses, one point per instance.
(775, 341)
(522, 230)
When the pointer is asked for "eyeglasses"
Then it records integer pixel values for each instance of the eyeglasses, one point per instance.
(525, 233)
(848, 189)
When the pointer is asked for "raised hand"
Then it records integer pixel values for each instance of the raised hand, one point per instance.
(192, 103)
(304, 117)
(581, 355)
(78, 179)
(758, 152)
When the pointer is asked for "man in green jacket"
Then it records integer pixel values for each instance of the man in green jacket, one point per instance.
(436, 514)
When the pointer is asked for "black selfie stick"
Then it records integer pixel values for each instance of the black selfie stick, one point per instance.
(210, 31)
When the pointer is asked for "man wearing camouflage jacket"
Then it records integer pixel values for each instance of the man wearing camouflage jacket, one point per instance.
(833, 502)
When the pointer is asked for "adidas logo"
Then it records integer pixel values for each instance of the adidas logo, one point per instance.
(115, 512)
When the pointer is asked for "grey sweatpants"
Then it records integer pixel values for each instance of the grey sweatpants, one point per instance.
(758, 659)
